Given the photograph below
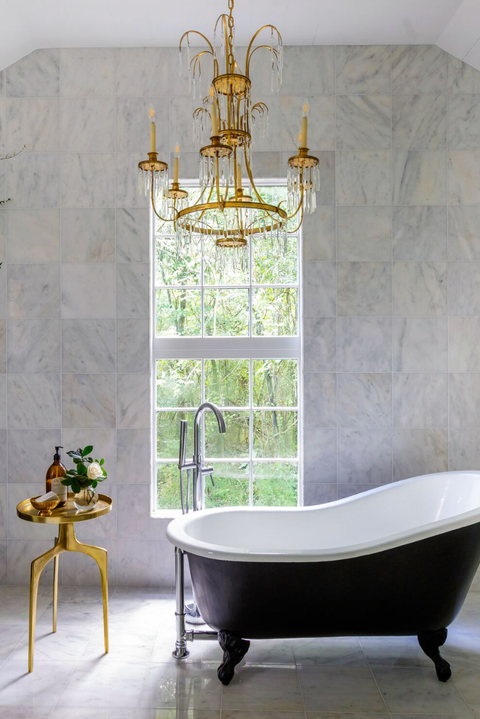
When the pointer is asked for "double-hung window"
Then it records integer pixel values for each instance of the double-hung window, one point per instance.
(227, 331)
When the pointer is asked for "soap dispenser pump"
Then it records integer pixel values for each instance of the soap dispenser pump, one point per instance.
(55, 473)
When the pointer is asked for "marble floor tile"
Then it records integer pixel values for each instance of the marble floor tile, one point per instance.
(348, 689)
(417, 690)
(68, 643)
(125, 644)
(10, 636)
(227, 714)
(335, 651)
(24, 712)
(14, 604)
(41, 688)
(182, 686)
(260, 688)
(394, 652)
(69, 712)
(105, 685)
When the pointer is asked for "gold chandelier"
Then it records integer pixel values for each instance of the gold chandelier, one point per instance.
(226, 211)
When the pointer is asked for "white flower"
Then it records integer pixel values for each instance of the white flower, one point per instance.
(94, 471)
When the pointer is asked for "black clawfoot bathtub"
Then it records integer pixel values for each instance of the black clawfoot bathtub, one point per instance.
(397, 560)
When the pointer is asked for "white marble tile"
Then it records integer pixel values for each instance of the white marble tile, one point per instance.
(362, 70)
(20, 555)
(463, 346)
(364, 288)
(88, 235)
(133, 345)
(319, 289)
(363, 122)
(419, 451)
(298, 77)
(418, 122)
(420, 289)
(104, 445)
(415, 690)
(363, 178)
(33, 181)
(331, 651)
(66, 645)
(320, 400)
(133, 456)
(127, 180)
(464, 122)
(364, 456)
(3, 453)
(133, 126)
(133, 295)
(319, 344)
(419, 233)
(35, 75)
(264, 164)
(3, 511)
(419, 344)
(3, 401)
(317, 493)
(364, 233)
(88, 180)
(11, 635)
(364, 344)
(145, 563)
(318, 235)
(134, 514)
(88, 400)
(349, 490)
(41, 688)
(195, 688)
(30, 449)
(419, 177)
(133, 235)
(33, 291)
(463, 449)
(464, 233)
(14, 604)
(364, 401)
(88, 346)
(394, 652)
(110, 685)
(80, 302)
(462, 78)
(87, 125)
(142, 72)
(418, 69)
(3, 346)
(3, 125)
(420, 401)
(34, 123)
(464, 400)
(351, 689)
(33, 236)
(33, 401)
(180, 127)
(320, 455)
(87, 72)
(125, 646)
(321, 131)
(464, 286)
(133, 401)
(33, 346)
(257, 689)
(463, 177)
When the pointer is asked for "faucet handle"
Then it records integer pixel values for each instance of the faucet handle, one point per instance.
(208, 471)
(183, 443)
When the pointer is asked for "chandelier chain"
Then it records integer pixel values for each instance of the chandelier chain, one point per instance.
(231, 26)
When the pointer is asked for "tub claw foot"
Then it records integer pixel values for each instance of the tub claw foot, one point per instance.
(430, 643)
(234, 649)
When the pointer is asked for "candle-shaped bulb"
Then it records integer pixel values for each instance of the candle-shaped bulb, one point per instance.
(304, 135)
(213, 113)
(153, 131)
(175, 163)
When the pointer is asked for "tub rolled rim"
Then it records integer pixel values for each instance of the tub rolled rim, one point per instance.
(179, 537)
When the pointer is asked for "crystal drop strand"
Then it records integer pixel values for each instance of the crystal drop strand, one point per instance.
(140, 182)
(180, 62)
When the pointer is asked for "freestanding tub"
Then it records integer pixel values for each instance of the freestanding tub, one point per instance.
(396, 560)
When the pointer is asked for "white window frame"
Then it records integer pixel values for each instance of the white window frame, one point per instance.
(199, 348)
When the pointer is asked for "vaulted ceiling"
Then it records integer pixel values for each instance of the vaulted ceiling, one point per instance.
(27, 25)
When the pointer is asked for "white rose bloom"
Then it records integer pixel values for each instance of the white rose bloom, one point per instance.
(94, 471)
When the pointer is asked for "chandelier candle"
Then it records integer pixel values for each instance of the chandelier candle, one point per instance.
(175, 163)
(153, 131)
(224, 213)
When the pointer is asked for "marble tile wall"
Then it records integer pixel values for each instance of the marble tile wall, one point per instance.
(391, 278)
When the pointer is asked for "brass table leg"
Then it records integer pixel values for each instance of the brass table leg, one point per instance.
(66, 542)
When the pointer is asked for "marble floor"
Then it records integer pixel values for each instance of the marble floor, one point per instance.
(348, 678)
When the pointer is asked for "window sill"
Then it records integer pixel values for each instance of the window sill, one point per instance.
(166, 514)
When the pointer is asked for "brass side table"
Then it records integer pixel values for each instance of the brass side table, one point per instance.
(66, 541)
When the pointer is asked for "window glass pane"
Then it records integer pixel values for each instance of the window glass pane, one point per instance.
(168, 486)
(219, 270)
(275, 484)
(226, 382)
(174, 267)
(275, 261)
(226, 313)
(274, 312)
(234, 443)
(275, 383)
(275, 433)
(168, 434)
(231, 485)
(179, 313)
(179, 383)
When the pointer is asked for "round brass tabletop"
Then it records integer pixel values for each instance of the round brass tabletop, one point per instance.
(64, 515)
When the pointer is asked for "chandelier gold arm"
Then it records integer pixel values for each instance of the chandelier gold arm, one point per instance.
(152, 200)
(259, 47)
(249, 54)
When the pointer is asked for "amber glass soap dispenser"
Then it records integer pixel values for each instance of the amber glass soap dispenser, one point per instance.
(55, 473)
